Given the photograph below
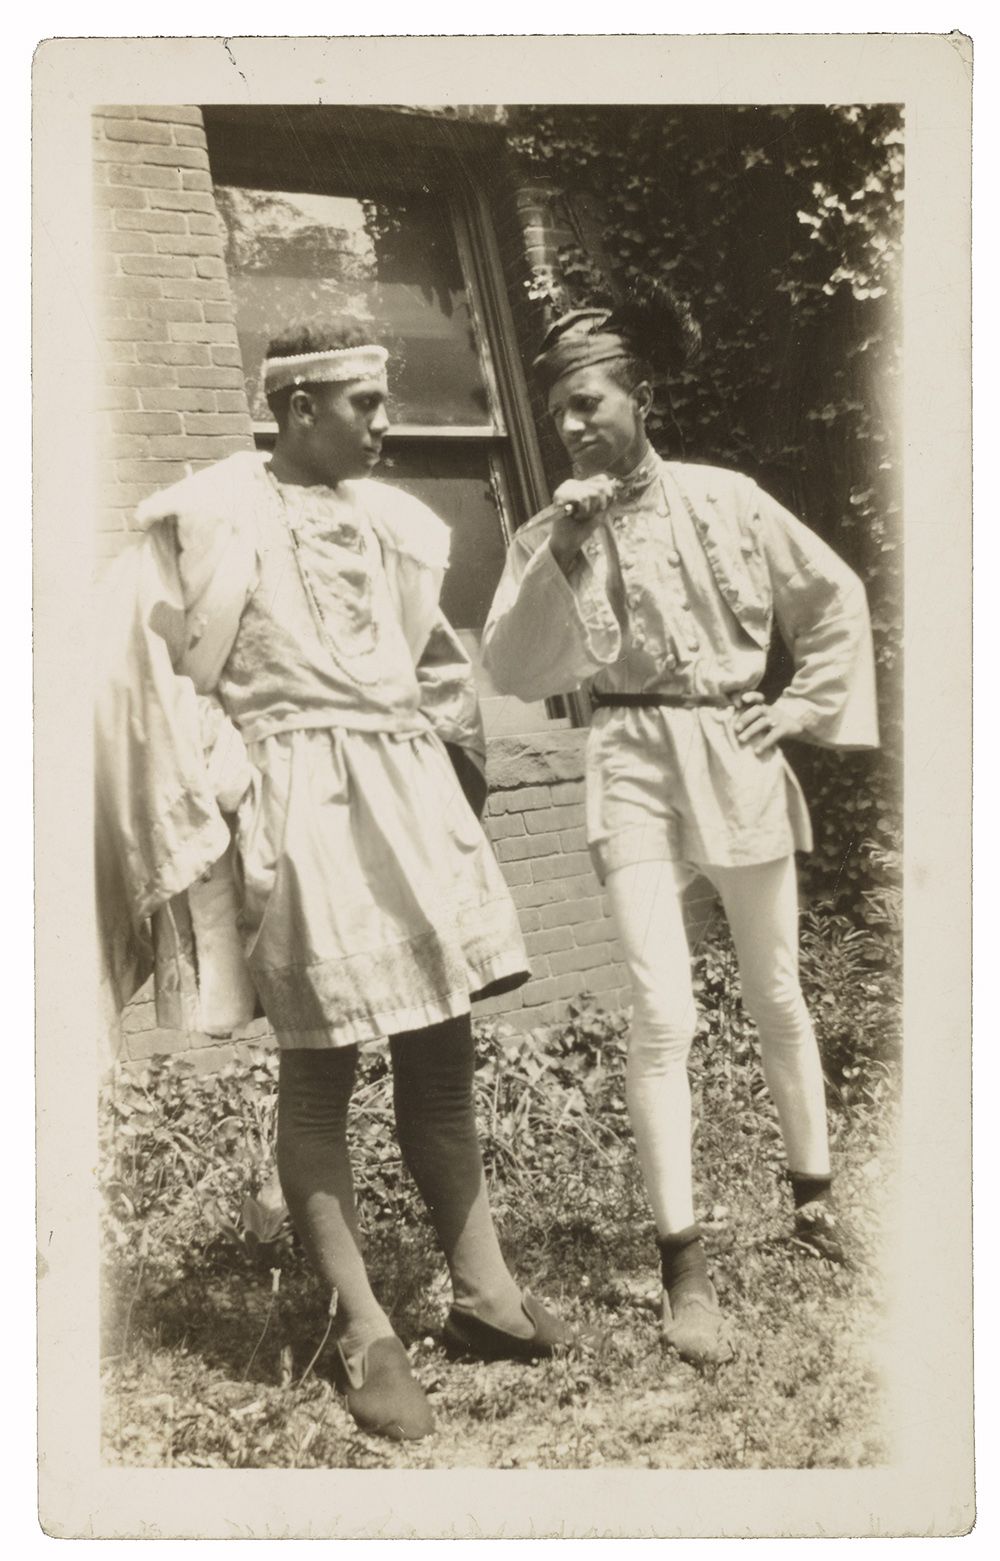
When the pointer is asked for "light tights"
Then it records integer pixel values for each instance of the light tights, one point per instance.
(761, 905)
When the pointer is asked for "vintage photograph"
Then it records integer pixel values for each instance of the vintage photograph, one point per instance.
(495, 493)
(499, 660)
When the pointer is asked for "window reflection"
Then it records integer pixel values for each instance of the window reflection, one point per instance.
(393, 262)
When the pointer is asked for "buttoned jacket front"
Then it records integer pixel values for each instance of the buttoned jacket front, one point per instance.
(677, 594)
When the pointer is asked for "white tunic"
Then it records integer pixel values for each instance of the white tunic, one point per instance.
(370, 901)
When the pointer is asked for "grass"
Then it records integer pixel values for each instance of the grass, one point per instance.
(211, 1361)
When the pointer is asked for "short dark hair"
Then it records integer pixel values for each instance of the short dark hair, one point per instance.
(329, 335)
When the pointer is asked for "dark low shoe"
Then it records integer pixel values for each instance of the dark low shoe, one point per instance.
(383, 1395)
(817, 1229)
(466, 1334)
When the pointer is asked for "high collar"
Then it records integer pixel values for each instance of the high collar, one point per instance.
(640, 477)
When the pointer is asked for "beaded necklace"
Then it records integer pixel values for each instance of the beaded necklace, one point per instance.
(364, 677)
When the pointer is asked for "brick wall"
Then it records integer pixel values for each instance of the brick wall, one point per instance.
(171, 396)
(545, 229)
(535, 818)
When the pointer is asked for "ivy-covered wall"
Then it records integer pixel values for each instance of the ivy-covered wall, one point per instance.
(782, 226)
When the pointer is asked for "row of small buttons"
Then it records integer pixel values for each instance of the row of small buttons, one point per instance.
(674, 559)
(634, 597)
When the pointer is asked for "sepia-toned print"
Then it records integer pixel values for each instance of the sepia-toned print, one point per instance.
(498, 615)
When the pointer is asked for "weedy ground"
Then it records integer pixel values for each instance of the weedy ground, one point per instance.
(214, 1353)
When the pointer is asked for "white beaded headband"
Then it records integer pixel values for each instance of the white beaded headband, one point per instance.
(336, 366)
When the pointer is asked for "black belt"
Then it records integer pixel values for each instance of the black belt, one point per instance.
(669, 701)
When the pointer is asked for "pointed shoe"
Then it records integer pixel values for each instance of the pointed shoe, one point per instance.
(383, 1395)
(696, 1329)
(467, 1335)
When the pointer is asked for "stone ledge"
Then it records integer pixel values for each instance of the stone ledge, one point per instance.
(536, 759)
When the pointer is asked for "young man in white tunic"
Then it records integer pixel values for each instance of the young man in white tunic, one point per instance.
(655, 588)
(278, 670)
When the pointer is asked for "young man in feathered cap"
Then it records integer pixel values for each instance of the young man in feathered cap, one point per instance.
(655, 588)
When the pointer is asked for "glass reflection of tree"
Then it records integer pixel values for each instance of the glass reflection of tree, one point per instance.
(267, 233)
(415, 248)
(302, 258)
(383, 226)
(290, 265)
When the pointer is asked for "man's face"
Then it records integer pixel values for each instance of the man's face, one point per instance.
(599, 423)
(348, 424)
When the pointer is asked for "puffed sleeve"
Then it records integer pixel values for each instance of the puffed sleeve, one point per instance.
(822, 614)
(547, 632)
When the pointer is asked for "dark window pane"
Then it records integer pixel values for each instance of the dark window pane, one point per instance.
(298, 257)
(454, 481)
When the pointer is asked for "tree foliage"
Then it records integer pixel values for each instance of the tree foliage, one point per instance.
(782, 226)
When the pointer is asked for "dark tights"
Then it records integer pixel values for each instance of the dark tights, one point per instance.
(435, 1123)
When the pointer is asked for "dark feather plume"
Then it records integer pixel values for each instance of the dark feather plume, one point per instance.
(657, 324)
